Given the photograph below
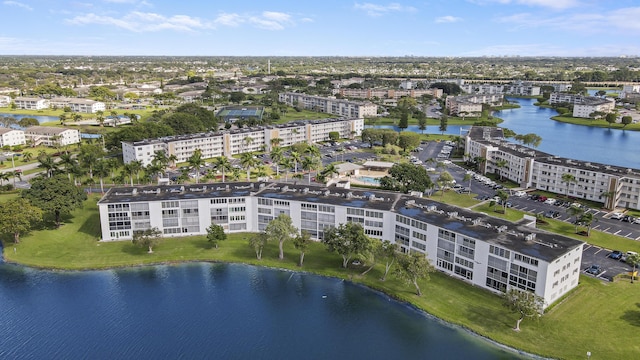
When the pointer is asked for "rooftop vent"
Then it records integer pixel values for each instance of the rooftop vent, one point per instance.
(409, 203)
(530, 237)
(476, 221)
(431, 208)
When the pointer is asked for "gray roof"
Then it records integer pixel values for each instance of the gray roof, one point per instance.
(45, 130)
(513, 236)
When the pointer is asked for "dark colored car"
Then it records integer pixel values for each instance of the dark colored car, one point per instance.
(594, 270)
(616, 255)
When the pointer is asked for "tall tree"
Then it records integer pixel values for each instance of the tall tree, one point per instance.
(257, 242)
(147, 238)
(281, 229)
(412, 268)
(196, 162)
(56, 195)
(408, 140)
(347, 240)
(388, 252)
(17, 216)
(302, 242)
(422, 121)
(568, 179)
(47, 163)
(634, 261)
(443, 124)
(403, 123)
(526, 303)
(611, 118)
(215, 234)
(248, 161)
(276, 155)
(222, 164)
(310, 163)
(406, 177)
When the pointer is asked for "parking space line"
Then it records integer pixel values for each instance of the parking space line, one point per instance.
(596, 227)
(586, 247)
(598, 251)
(629, 235)
(616, 233)
(607, 229)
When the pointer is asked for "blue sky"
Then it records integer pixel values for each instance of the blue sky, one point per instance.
(321, 28)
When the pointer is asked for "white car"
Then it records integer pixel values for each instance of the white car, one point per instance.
(447, 162)
(550, 201)
(617, 215)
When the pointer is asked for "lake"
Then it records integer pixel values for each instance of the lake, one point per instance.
(215, 311)
(601, 145)
(41, 118)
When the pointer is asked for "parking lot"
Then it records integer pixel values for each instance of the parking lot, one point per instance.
(594, 255)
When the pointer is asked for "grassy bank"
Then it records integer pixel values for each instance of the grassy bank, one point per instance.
(596, 123)
(598, 317)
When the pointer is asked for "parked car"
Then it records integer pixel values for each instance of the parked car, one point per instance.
(616, 255)
(625, 255)
(617, 216)
(550, 201)
(520, 193)
(628, 218)
(594, 270)
(552, 214)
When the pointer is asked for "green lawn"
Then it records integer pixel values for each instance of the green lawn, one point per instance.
(8, 196)
(596, 123)
(599, 317)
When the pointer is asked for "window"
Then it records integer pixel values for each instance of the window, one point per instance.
(499, 251)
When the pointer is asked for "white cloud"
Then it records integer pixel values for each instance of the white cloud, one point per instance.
(553, 4)
(144, 22)
(375, 10)
(448, 19)
(137, 21)
(17, 4)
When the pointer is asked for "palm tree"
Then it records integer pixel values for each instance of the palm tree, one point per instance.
(235, 174)
(313, 151)
(196, 162)
(16, 174)
(48, 164)
(247, 161)
(275, 143)
(101, 170)
(310, 163)
(499, 165)
(327, 172)
(287, 164)
(568, 179)
(68, 161)
(172, 160)
(222, 164)
(295, 156)
(63, 118)
(89, 155)
(135, 167)
(27, 156)
(468, 177)
(4, 176)
(246, 142)
(480, 161)
(608, 195)
(276, 155)
(261, 171)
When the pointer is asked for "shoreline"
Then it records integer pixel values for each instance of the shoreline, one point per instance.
(351, 279)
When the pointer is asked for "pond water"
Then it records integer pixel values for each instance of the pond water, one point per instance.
(215, 311)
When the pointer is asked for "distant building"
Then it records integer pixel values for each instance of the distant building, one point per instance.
(590, 105)
(5, 100)
(238, 141)
(517, 88)
(11, 137)
(51, 136)
(471, 105)
(329, 105)
(190, 96)
(31, 103)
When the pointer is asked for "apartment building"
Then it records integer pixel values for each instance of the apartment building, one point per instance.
(387, 93)
(232, 142)
(343, 108)
(517, 88)
(590, 105)
(471, 104)
(5, 100)
(11, 137)
(78, 105)
(613, 186)
(31, 103)
(560, 98)
(51, 136)
(481, 250)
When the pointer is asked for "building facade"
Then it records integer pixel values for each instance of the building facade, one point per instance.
(31, 103)
(11, 137)
(51, 136)
(471, 104)
(343, 108)
(484, 251)
(613, 186)
(233, 142)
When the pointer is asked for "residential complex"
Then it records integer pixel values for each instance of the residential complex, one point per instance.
(78, 105)
(584, 106)
(11, 137)
(31, 103)
(387, 93)
(484, 251)
(517, 88)
(329, 105)
(471, 105)
(232, 142)
(613, 186)
(51, 136)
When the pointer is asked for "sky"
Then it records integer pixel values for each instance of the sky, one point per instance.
(461, 28)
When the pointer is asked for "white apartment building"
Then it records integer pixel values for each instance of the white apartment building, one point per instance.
(613, 186)
(5, 100)
(487, 252)
(589, 105)
(387, 93)
(78, 105)
(228, 143)
(51, 136)
(559, 98)
(471, 104)
(31, 103)
(517, 88)
(11, 137)
(343, 108)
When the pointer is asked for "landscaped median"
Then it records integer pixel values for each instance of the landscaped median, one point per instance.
(603, 318)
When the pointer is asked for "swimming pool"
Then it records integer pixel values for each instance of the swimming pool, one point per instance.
(368, 180)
